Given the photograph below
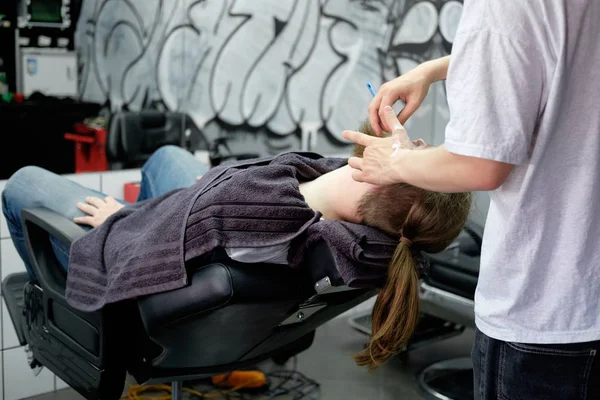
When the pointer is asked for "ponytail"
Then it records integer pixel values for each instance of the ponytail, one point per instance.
(396, 311)
(425, 220)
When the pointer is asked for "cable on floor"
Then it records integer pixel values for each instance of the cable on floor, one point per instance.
(135, 392)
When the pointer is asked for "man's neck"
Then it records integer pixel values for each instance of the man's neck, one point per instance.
(335, 194)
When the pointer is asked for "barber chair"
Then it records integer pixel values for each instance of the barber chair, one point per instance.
(230, 316)
(447, 307)
(132, 137)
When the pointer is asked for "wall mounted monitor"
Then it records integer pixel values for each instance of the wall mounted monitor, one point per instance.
(45, 13)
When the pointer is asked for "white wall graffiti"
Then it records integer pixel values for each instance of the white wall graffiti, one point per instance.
(282, 68)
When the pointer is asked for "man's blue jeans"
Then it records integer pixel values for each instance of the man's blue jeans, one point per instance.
(519, 371)
(168, 168)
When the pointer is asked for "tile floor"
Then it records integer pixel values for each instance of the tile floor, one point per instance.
(329, 362)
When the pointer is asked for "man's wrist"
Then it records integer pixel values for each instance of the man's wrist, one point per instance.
(397, 163)
(435, 70)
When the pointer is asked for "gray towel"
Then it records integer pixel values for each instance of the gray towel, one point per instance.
(143, 248)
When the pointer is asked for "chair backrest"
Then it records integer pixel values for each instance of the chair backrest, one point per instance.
(132, 137)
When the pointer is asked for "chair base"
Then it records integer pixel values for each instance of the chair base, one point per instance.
(176, 390)
(447, 380)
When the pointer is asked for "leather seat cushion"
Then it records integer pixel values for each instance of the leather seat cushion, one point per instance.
(219, 281)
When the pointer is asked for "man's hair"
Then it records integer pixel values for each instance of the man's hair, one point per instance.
(431, 221)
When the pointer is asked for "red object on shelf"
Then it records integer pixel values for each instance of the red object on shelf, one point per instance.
(90, 148)
(131, 192)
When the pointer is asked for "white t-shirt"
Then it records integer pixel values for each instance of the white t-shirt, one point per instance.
(524, 88)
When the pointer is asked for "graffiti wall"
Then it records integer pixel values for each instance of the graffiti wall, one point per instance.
(273, 75)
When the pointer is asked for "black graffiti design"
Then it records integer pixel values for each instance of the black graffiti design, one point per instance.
(283, 66)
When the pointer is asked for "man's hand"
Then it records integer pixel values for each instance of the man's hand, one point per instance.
(375, 166)
(411, 88)
(98, 210)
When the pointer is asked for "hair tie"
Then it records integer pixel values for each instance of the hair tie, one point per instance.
(406, 241)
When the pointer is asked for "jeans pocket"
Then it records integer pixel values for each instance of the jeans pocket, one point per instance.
(529, 372)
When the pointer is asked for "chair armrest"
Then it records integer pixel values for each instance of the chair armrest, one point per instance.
(56, 225)
(38, 223)
(91, 342)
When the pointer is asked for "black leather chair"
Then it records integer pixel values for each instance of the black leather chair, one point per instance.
(132, 137)
(229, 316)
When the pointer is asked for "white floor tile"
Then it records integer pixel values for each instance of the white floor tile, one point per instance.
(114, 181)
(10, 261)
(9, 335)
(19, 379)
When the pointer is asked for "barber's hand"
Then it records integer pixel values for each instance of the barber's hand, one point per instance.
(376, 164)
(98, 210)
(411, 88)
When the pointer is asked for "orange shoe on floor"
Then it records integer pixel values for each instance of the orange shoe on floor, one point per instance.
(240, 379)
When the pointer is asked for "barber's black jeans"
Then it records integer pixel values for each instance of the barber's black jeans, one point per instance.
(517, 371)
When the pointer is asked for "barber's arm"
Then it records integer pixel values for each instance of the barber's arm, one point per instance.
(439, 170)
(434, 168)
(496, 90)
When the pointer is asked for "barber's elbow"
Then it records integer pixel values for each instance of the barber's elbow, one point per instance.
(487, 183)
(487, 175)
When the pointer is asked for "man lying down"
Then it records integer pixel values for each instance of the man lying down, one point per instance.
(266, 210)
